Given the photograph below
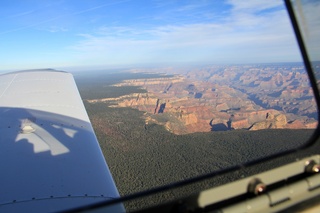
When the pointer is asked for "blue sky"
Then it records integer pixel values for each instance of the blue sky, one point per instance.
(100, 33)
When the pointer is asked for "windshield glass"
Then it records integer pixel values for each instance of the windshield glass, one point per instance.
(309, 23)
(173, 89)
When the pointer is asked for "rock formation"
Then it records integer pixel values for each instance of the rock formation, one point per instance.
(224, 98)
(271, 122)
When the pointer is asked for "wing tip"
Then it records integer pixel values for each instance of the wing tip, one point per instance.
(34, 70)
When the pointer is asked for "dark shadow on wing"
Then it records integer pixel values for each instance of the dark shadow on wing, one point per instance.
(55, 156)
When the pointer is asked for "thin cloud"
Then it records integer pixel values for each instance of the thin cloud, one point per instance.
(99, 7)
(190, 7)
(21, 14)
(254, 5)
(189, 41)
(62, 16)
(55, 29)
(236, 29)
(31, 25)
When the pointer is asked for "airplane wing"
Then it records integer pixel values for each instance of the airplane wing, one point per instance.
(49, 154)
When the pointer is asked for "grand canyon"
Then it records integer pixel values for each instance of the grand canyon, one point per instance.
(221, 98)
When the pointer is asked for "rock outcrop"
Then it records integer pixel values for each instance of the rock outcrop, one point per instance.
(271, 122)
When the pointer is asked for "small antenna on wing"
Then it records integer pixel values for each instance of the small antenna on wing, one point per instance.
(26, 127)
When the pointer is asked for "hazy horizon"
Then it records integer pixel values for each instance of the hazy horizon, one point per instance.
(146, 66)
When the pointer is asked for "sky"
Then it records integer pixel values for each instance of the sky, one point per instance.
(63, 34)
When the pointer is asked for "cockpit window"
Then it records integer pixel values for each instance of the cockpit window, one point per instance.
(309, 22)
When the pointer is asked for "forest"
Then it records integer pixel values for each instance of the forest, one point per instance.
(142, 157)
(98, 84)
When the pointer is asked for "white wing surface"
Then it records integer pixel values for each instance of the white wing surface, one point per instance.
(50, 157)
